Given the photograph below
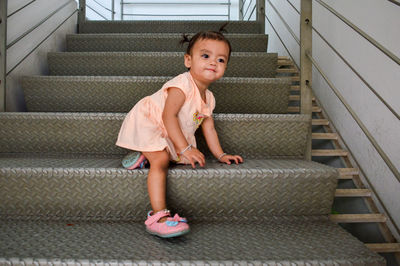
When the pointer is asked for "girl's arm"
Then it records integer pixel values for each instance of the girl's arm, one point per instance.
(173, 104)
(213, 144)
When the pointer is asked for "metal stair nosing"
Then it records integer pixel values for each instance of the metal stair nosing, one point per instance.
(347, 173)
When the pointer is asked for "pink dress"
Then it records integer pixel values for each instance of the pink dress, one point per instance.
(143, 128)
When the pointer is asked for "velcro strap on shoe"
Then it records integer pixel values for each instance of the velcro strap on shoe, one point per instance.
(155, 217)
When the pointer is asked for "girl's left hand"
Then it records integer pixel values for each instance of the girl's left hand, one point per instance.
(228, 158)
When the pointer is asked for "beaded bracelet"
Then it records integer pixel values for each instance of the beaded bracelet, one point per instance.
(189, 147)
(222, 155)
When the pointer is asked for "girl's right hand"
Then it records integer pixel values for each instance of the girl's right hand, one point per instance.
(194, 155)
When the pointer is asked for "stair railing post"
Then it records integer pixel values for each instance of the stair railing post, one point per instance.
(306, 65)
(122, 10)
(3, 54)
(112, 10)
(241, 10)
(261, 14)
(81, 14)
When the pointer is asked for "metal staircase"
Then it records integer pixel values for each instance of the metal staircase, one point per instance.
(66, 199)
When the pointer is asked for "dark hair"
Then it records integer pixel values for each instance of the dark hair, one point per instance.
(204, 35)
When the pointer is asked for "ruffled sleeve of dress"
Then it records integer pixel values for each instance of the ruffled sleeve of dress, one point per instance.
(182, 82)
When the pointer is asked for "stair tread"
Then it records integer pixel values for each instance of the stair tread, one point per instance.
(274, 240)
(329, 152)
(68, 185)
(384, 247)
(120, 94)
(156, 42)
(250, 80)
(154, 54)
(91, 161)
(245, 64)
(353, 193)
(348, 171)
(320, 122)
(325, 136)
(167, 26)
(96, 133)
(158, 34)
(358, 218)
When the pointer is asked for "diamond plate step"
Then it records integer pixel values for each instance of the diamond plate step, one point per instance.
(262, 65)
(167, 26)
(253, 136)
(120, 94)
(150, 42)
(93, 187)
(277, 241)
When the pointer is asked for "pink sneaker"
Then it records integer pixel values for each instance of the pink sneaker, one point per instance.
(134, 160)
(174, 226)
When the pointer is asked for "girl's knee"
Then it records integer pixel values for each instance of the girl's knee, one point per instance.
(159, 159)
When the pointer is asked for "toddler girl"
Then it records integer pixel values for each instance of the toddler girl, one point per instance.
(160, 128)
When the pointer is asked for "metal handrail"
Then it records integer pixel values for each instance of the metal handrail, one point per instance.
(106, 8)
(355, 117)
(282, 42)
(358, 120)
(175, 15)
(359, 76)
(247, 9)
(252, 12)
(241, 6)
(226, 3)
(344, 60)
(36, 26)
(394, 2)
(95, 11)
(3, 54)
(176, 3)
(284, 22)
(361, 32)
(371, 187)
(19, 9)
(50, 34)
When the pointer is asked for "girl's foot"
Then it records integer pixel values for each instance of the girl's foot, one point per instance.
(134, 160)
(173, 226)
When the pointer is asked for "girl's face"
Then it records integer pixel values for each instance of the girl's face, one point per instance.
(208, 61)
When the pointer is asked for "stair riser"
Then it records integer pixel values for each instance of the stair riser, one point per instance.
(119, 194)
(153, 64)
(253, 136)
(169, 27)
(121, 94)
(153, 43)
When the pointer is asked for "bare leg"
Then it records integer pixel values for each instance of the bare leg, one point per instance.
(157, 179)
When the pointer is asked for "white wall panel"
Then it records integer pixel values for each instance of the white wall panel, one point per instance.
(379, 19)
(295, 3)
(372, 112)
(291, 17)
(381, 72)
(14, 5)
(274, 44)
(280, 27)
(18, 51)
(36, 64)
(30, 16)
(29, 55)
